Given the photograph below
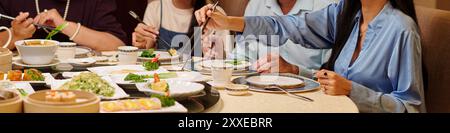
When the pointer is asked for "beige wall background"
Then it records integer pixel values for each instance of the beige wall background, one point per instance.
(439, 4)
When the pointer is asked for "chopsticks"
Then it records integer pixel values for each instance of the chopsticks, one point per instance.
(135, 16)
(37, 25)
(203, 31)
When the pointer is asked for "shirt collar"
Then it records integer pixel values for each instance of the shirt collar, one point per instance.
(300, 5)
(377, 22)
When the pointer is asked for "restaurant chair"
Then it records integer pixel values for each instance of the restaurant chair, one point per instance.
(435, 28)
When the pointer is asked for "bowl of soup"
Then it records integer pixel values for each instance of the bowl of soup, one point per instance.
(37, 51)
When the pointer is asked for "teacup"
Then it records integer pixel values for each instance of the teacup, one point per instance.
(128, 55)
(221, 76)
(66, 51)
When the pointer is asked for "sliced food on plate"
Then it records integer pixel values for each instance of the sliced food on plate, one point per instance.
(154, 104)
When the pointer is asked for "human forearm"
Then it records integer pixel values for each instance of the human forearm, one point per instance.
(4, 37)
(99, 41)
(236, 24)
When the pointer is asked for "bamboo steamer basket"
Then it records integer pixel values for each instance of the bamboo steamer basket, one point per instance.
(86, 103)
(11, 105)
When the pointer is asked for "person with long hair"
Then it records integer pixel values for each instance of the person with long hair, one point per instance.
(376, 58)
(166, 21)
(253, 51)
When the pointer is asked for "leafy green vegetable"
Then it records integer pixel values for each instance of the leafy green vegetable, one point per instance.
(234, 62)
(151, 66)
(141, 78)
(150, 53)
(56, 31)
(22, 92)
(165, 101)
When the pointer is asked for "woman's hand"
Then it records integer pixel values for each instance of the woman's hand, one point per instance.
(144, 36)
(218, 20)
(50, 18)
(23, 27)
(333, 84)
(274, 63)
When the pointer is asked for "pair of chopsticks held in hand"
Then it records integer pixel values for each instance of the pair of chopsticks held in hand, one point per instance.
(35, 24)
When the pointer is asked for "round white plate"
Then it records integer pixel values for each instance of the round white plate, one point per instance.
(22, 64)
(209, 64)
(82, 51)
(181, 76)
(266, 80)
(177, 88)
(164, 56)
(82, 62)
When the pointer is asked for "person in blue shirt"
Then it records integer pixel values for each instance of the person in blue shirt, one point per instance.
(251, 50)
(376, 58)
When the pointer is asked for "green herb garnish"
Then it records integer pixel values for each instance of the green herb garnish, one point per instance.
(151, 66)
(142, 78)
(165, 101)
(150, 53)
(234, 62)
(22, 92)
(56, 31)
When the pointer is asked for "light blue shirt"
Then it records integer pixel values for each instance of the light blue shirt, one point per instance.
(311, 60)
(387, 75)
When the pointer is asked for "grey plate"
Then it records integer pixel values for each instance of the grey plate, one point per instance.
(194, 66)
(310, 84)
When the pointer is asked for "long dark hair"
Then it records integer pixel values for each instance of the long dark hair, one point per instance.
(346, 21)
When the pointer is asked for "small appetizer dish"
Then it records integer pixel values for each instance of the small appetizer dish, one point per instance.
(154, 104)
(237, 89)
(172, 88)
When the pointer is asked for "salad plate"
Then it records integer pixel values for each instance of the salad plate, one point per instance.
(163, 56)
(109, 86)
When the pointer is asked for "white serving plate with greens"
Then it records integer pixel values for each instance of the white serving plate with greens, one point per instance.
(178, 89)
(118, 92)
(122, 69)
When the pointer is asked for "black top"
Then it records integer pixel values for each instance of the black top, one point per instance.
(94, 14)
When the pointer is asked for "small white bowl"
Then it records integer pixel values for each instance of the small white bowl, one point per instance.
(39, 54)
(237, 89)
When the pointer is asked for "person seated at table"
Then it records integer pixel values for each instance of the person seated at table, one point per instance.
(251, 50)
(376, 58)
(90, 23)
(169, 20)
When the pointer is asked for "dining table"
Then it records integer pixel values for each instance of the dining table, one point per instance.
(253, 102)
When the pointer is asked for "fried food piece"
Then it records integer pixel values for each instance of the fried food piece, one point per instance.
(15, 75)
